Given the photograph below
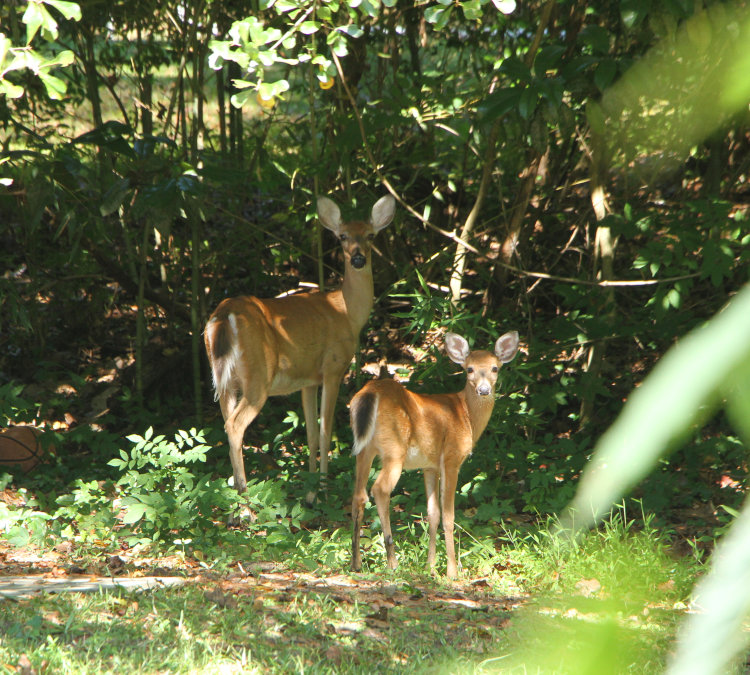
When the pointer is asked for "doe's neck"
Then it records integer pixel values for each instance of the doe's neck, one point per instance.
(358, 291)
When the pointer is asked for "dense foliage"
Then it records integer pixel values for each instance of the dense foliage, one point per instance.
(157, 158)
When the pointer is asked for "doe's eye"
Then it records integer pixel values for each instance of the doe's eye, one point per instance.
(370, 236)
(343, 237)
(494, 369)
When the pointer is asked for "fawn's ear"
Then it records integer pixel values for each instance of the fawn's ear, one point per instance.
(457, 348)
(506, 346)
(329, 214)
(382, 212)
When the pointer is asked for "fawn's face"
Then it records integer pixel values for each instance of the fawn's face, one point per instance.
(482, 369)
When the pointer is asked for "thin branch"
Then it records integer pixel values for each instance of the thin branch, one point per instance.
(604, 283)
(381, 176)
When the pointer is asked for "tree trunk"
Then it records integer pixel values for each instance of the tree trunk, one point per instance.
(603, 269)
(459, 258)
(195, 309)
(222, 110)
(92, 79)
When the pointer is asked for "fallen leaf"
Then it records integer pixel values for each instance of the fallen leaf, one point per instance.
(334, 654)
(115, 563)
(24, 666)
(220, 599)
(587, 587)
(378, 619)
(347, 628)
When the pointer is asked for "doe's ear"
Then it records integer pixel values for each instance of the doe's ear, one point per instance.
(506, 346)
(457, 348)
(382, 212)
(329, 214)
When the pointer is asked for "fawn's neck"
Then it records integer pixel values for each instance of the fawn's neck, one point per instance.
(479, 409)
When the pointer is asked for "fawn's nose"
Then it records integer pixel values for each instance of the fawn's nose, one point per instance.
(358, 260)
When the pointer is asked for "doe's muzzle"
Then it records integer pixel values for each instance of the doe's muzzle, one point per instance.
(358, 260)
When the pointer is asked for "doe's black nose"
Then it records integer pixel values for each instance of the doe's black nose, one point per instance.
(358, 261)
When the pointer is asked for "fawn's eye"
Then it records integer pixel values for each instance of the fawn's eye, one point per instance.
(494, 369)
(371, 236)
(469, 370)
(343, 237)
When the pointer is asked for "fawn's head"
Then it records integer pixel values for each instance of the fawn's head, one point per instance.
(482, 367)
(356, 237)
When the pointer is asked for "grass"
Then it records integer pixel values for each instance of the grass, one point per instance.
(527, 601)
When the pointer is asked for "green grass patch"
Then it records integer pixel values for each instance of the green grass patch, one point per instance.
(527, 601)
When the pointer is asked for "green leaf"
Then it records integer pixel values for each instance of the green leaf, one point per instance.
(309, 27)
(113, 198)
(683, 390)
(634, 11)
(64, 58)
(472, 10)
(548, 58)
(277, 537)
(337, 43)
(504, 6)
(712, 637)
(434, 13)
(605, 73)
(738, 404)
(596, 38)
(500, 102)
(516, 69)
(70, 10)
(133, 513)
(11, 90)
(238, 100)
(5, 45)
(17, 536)
(352, 30)
(55, 87)
(270, 90)
(34, 18)
(527, 102)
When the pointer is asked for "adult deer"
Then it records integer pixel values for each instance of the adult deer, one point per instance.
(273, 347)
(435, 433)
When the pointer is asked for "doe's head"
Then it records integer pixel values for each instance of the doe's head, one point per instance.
(356, 236)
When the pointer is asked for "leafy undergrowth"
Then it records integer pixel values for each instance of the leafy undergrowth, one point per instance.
(274, 594)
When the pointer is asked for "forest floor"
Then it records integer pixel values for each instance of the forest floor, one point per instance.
(115, 612)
